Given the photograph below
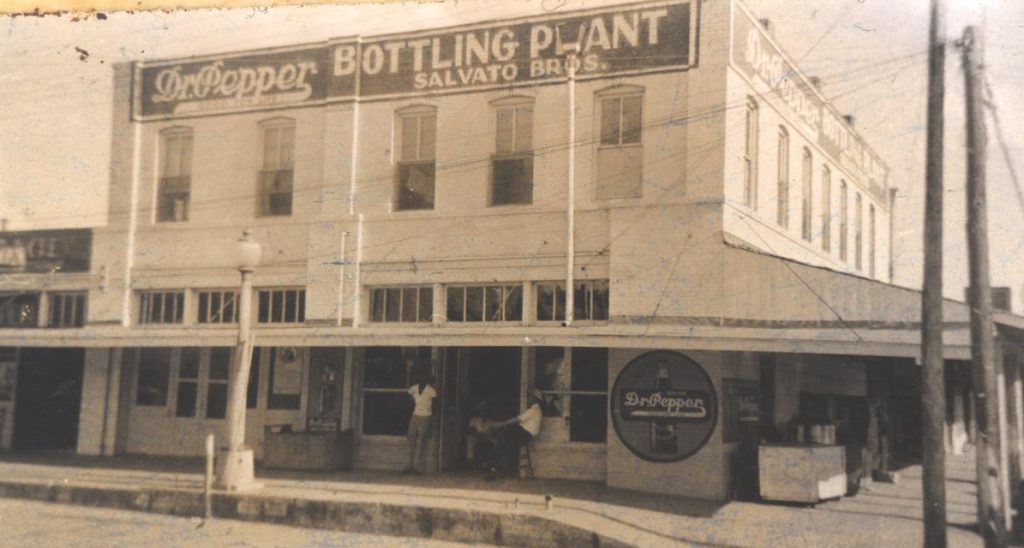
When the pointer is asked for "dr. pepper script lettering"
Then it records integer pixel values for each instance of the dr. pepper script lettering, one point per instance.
(214, 81)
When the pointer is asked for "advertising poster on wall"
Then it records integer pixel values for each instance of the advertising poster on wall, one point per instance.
(741, 406)
(664, 407)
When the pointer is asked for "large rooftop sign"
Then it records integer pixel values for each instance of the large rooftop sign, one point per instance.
(616, 41)
(770, 72)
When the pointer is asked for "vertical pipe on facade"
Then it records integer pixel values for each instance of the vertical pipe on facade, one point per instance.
(570, 243)
(133, 221)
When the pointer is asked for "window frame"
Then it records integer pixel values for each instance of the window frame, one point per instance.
(844, 220)
(384, 292)
(78, 309)
(872, 250)
(826, 209)
(858, 240)
(619, 94)
(422, 158)
(525, 154)
(782, 192)
(507, 290)
(558, 305)
(144, 302)
(179, 183)
(750, 152)
(806, 195)
(564, 395)
(300, 305)
(282, 165)
(11, 299)
(209, 293)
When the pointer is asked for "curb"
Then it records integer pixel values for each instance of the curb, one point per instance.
(444, 524)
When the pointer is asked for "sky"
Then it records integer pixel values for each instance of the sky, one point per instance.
(56, 96)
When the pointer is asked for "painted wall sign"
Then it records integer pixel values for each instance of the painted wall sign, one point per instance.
(664, 407)
(765, 66)
(233, 83)
(45, 251)
(613, 41)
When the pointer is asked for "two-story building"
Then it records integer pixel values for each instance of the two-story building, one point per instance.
(429, 197)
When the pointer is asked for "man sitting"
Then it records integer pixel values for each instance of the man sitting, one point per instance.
(520, 430)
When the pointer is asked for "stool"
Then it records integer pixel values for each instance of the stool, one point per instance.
(525, 462)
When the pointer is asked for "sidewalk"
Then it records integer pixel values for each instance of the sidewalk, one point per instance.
(465, 508)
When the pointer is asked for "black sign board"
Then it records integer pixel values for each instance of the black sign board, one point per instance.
(614, 41)
(664, 407)
(45, 251)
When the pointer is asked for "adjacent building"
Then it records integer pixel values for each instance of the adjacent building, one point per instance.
(428, 198)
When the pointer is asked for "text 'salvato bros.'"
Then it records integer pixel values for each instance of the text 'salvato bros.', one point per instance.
(639, 38)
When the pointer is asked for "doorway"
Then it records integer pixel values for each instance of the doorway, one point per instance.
(471, 376)
(48, 398)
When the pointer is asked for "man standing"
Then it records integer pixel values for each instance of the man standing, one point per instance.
(421, 422)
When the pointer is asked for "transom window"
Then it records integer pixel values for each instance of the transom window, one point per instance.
(275, 186)
(512, 164)
(590, 301)
(19, 309)
(417, 135)
(620, 154)
(282, 306)
(175, 186)
(485, 303)
(67, 310)
(401, 304)
(161, 307)
(218, 307)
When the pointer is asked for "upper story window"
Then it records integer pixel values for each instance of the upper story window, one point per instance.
(750, 155)
(590, 301)
(67, 310)
(282, 306)
(217, 307)
(782, 206)
(826, 209)
(401, 304)
(844, 219)
(417, 165)
(275, 185)
(620, 154)
(19, 309)
(806, 194)
(871, 240)
(174, 191)
(485, 303)
(512, 164)
(161, 307)
(858, 242)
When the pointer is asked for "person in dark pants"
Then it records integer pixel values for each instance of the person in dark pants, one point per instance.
(520, 430)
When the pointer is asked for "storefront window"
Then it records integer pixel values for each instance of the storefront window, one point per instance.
(385, 380)
(284, 388)
(154, 372)
(217, 383)
(576, 384)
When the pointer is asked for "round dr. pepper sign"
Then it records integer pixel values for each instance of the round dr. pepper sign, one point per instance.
(664, 407)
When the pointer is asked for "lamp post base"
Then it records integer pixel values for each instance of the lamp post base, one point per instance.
(235, 471)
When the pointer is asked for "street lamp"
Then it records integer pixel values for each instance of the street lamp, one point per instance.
(236, 460)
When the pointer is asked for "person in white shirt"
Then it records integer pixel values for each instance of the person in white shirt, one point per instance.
(520, 430)
(421, 421)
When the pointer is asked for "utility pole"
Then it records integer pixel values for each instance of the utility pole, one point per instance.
(933, 391)
(991, 520)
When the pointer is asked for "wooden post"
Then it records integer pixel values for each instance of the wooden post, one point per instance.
(933, 392)
(983, 350)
